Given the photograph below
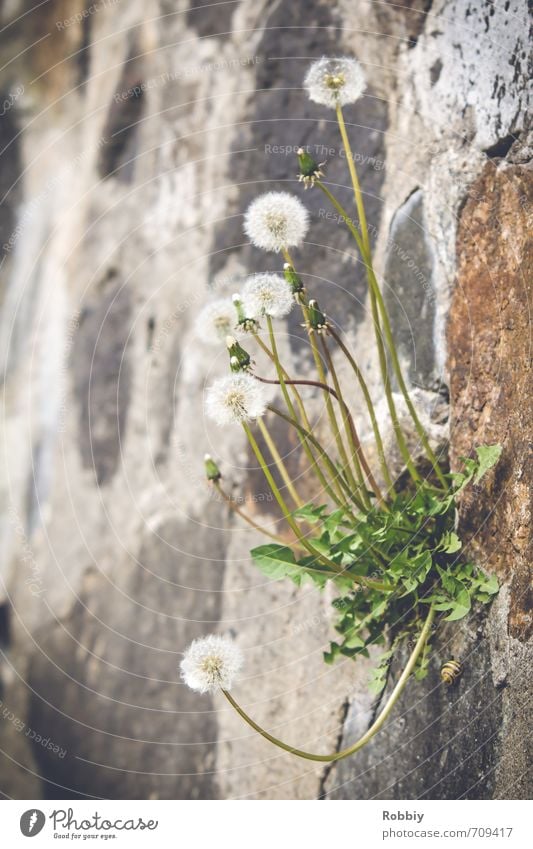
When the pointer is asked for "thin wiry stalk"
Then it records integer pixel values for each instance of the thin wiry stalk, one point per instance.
(364, 247)
(382, 356)
(338, 497)
(352, 432)
(376, 725)
(282, 468)
(370, 407)
(248, 519)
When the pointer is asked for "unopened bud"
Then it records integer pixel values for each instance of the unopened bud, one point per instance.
(239, 358)
(212, 472)
(243, 322)
(293, 279)
(317, 319)
(310, 170)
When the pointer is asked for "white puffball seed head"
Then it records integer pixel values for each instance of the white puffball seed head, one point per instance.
(238, 398)
(335, 82)
(211, 663)
(216, 321)
(267, 294)
(276, 220)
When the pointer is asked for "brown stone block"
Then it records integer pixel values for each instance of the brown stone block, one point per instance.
(489, 337)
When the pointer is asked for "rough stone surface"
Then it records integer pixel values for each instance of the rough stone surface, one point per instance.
(490, 356)
(411, 311)
(141, 139)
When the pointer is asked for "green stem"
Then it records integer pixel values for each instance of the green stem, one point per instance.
(353, 436)
(279, 463)
(401, 382)
(367, 258)
(376, 725)
(329, 406)
(236, 509)
(323, 453)
(400, 439)
(283, 507)
(338, 498)
(370, 407)
(355, 180)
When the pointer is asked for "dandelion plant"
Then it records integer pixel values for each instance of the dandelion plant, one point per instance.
(384, 538)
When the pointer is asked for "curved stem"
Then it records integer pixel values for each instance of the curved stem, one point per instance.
(370, 407)
(401, 381)
(325, 456)
(338, 498)
(236, 509)
(382, 356)
(352, 432)
(376, 725)
(325, 388)
(285, 510)
(364, 247)
(354, 455)
(329, 406)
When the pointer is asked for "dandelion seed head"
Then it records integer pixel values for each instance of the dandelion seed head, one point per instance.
(238, 398)
(335, 82)
(276, 220)
(211, 663)
(216, 320)
(267, 294)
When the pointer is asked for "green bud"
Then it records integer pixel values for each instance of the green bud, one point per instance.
(242, 321)
(238, 306)
(310, 169)
(308, 165)
(212, 472)
(239, 358)
(317, 319)
(292, 279)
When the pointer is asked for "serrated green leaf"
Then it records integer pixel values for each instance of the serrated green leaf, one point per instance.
(422, 564)
(460, 608)
(334, 520)
(489, 585)
(410, 584)
(276, 561)
(451, 543)
(421, 673)
(310, 513)
(354, 642)
(488, 456)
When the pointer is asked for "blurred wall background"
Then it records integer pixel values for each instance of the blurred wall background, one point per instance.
(133, 135)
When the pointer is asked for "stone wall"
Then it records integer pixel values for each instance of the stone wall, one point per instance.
(137, 142)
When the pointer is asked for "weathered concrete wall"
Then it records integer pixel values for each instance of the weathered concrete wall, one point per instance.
(121, 212)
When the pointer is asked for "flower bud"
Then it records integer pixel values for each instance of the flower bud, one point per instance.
(212, 472)
(317, 319)
(310, 170)
(239, 358)
(293, 279)
(243, 322)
